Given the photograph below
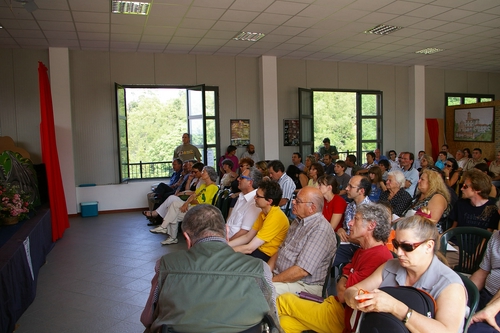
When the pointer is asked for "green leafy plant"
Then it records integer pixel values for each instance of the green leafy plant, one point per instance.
(14, 202)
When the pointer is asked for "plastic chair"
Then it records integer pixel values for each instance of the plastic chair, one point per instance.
(471, 242)
(472, 299)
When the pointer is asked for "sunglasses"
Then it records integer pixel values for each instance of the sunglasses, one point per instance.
(449, 165)
(407, 247)
(244, 177)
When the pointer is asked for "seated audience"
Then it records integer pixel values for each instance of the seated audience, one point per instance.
(378, 186)
(460, 158)
(396, 195)
(475, 209)
(244, 213)
(483, 167)
(231, 155)
(299, 178)
(262, 166)
(269, 229)
(416, 245)
(341, 176)
(315, 171)
(370, 228)
(334, 205)
(192, 289)
(426, 162)
(393, 159)
(178, 208)
(352, 168)
(188, 187)
(303, 259)
(329, 165)
(442, 156)
(487, 319)
(358, 190)
(384, 166)
(370, 161)
(277, 174)
(228, 174)
(451, 173)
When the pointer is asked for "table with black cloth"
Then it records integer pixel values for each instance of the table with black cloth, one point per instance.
(23, 249)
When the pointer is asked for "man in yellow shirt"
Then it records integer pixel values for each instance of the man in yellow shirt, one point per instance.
(270, 228)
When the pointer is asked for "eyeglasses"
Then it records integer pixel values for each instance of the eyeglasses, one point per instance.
(449, 165)
(298, 201)
(259, 196)
(245, 177)
(349, 185)
(407, 247)
(465, 186)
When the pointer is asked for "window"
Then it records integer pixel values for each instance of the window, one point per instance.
(351, 119)
(458, 99)
(151, 121)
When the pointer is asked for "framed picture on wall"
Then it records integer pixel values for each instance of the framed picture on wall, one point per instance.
(291, 131)
(240, 132)
(474, 124)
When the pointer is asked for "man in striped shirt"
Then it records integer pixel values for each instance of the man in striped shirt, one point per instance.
(277, 173)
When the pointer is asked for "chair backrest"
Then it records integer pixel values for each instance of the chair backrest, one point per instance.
(471, 242)
(472, 299)
(225, 205)
(328, 277)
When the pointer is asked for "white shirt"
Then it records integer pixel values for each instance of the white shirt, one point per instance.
(244, 213)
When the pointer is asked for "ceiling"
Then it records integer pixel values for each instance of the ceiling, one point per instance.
(330, 30)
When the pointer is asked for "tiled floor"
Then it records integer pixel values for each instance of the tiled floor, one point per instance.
(97, 277)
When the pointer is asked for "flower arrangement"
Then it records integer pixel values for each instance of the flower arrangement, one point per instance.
(14, 202)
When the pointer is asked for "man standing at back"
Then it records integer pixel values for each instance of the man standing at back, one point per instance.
(327, 149)
(303, 259)
(200, 290)
(187, 151)
(277, 173)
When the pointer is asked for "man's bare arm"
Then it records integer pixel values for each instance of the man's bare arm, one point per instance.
(292, 274)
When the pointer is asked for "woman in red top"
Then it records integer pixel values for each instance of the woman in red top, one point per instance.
(334, 205)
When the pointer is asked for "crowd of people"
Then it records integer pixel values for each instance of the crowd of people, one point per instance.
(282, 232)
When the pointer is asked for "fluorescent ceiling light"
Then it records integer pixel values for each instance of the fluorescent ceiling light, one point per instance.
(383, 29)
(130, 7)
(249, 36)
(429, 50)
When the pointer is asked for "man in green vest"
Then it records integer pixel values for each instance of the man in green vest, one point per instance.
(209, 287)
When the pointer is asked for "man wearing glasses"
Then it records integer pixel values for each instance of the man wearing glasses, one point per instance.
(303, 259)
(244, 212)
(270, 227)
(358, 189)
(475, 209)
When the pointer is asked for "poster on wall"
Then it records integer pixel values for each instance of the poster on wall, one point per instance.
(291, 132)
(474, 124)
(240, 132)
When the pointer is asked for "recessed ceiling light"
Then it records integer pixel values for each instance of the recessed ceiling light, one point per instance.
(429, 50)
(249, 36)
(383, 29)
(130, 7)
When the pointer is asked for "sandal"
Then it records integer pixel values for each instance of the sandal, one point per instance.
(149, 213)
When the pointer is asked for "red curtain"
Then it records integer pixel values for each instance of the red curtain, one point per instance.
(59, 212)
(433, 130)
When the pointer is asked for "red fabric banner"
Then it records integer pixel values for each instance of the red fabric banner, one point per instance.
(433, 130)
(58, 209)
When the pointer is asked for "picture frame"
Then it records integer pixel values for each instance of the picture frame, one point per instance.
(291, 132)
(240, 132)
(474, 124)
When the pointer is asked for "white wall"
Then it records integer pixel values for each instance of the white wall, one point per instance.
(93, 73)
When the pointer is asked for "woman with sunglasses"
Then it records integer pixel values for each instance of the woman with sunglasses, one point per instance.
(417, 265)
(433, 194)
(451, 173)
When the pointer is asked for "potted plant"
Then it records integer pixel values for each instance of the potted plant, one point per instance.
(14, 204)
